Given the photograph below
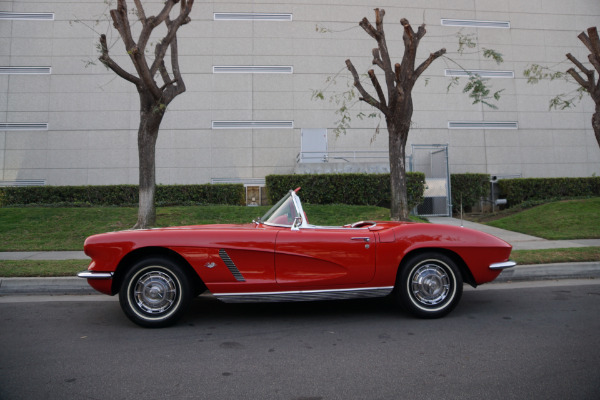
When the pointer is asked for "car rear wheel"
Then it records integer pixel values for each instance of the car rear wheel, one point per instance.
(429, 285)
(155, 292)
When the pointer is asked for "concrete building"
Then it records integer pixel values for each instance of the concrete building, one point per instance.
(250, 68)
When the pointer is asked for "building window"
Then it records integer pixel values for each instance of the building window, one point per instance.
(251, 17)
(252, 124)
(481, 72)
(26, 70)
(475, 23)
(253, 69)
(482, 125)
(23, 126)
(27, 16)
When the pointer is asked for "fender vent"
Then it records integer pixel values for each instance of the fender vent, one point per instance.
(231, 266)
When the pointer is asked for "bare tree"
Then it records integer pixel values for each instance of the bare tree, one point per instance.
(398, 107)
(589, 82)
(154, 96)
(584, 77)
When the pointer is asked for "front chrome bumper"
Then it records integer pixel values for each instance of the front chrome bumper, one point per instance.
(95, 275)
(503, 265)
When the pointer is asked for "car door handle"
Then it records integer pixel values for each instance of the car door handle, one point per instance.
(364, 239)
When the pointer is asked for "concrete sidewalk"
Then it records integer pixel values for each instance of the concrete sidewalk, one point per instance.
(519, 241)
(43, 255)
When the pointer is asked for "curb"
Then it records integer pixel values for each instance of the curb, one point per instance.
(539, 272)
(521, 273)
(45, 286)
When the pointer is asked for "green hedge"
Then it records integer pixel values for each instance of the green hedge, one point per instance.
(121, 195)
(519, 190)
(468, 188)
(354, 189)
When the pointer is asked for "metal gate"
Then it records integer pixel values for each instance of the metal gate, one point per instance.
(432, 160)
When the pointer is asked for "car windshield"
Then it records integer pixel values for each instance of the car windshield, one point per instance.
(283, 213)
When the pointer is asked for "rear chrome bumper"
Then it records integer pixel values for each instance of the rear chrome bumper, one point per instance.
(503, 265)
(95, 275)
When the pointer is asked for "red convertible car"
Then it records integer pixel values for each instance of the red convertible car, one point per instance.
(282, 257)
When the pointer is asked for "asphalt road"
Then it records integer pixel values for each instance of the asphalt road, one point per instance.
(536, 340)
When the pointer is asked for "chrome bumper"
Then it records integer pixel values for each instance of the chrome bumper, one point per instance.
(95, 275)
(503, 265)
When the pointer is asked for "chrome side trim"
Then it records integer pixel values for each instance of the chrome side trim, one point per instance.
(95, 275)
(231, 266)
(503, 265)
(304, 295)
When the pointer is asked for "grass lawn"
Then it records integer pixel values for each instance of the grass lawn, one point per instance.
(548, 256)
(45, 268)
(562, 220)
(40, 228)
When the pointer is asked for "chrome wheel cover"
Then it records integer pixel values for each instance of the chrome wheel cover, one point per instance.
(155, 292)
(430, 284)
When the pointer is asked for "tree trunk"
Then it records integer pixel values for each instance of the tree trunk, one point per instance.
(150, 119)
(596, 123)
(399, 202)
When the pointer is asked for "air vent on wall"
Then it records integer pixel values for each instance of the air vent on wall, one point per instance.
(482, 125)
(482, 73)
(23, 126)
(251, 17)
(27, 16)
(252, 69)
(25, 70)
(475, 23)
(252, 124)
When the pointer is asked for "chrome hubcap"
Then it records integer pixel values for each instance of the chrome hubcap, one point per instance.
(155, 292)
(430, 284)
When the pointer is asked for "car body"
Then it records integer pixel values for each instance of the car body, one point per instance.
(282, 257)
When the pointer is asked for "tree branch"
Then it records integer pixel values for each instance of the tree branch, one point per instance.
(366, 25)
(377, 86)
(366, 97)
(582, 82)
(410, 50)
(377, 58)
(140, 11)
(579, 65)
(173, 26)
(432, 57)
(110, 63)
(179, 83)
(591, 40)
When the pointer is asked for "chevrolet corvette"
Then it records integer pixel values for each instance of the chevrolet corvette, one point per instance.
(281, 257)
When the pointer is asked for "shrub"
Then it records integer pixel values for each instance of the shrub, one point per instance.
(468, 189)
(519, 190)
(354, 189)
(121, 195)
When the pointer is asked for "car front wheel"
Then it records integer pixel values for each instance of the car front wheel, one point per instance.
(429, 285)
(155, 292)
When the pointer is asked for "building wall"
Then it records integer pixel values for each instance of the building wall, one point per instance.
(92, 116)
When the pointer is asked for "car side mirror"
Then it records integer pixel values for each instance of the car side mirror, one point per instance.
(297, 223)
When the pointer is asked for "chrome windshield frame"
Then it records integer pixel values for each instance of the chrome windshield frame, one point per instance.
(299, 219)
